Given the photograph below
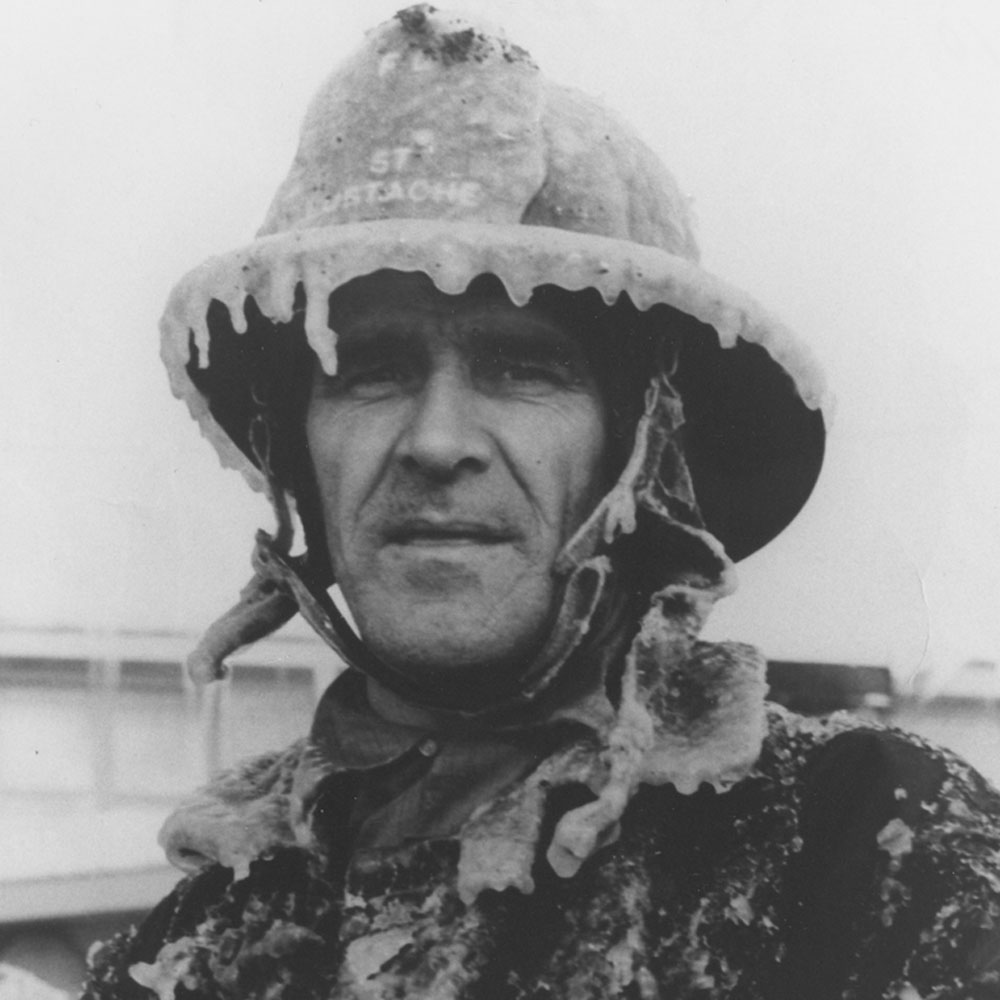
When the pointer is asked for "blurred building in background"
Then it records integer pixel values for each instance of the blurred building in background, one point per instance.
(100, 735)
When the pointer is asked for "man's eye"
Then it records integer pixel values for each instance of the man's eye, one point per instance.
(370, 378)
(516, 373)
(533, 373)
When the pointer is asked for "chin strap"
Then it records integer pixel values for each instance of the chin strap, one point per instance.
(264, 606)
(282, 585)
(276, 592)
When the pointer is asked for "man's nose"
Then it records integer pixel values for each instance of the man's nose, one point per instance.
(446, 434)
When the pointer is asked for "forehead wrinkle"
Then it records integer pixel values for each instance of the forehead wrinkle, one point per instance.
(363, 339)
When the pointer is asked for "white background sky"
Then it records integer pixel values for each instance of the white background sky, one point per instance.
(843, 161)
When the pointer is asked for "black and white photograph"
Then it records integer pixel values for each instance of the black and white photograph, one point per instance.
(501, 501)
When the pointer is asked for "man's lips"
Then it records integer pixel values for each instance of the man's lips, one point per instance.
(447, 531)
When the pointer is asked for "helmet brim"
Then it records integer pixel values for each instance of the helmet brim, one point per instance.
(753, 395)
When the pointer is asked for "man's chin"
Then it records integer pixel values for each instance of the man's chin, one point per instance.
(457, 665)
(453, 623)
(442, 649)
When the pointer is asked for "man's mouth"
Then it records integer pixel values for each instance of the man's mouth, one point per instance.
(423, 531)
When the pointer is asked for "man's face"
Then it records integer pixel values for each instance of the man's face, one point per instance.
(460, 445)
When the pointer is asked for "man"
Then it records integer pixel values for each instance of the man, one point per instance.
(525, 434)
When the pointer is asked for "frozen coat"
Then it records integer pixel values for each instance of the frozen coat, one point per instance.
(853, 861)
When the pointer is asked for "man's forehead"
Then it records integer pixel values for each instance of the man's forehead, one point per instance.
(397, 304)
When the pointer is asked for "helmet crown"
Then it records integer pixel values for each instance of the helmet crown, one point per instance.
(435, 118)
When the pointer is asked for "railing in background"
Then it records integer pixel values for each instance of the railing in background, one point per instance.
(115, 717)
(819, 688)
